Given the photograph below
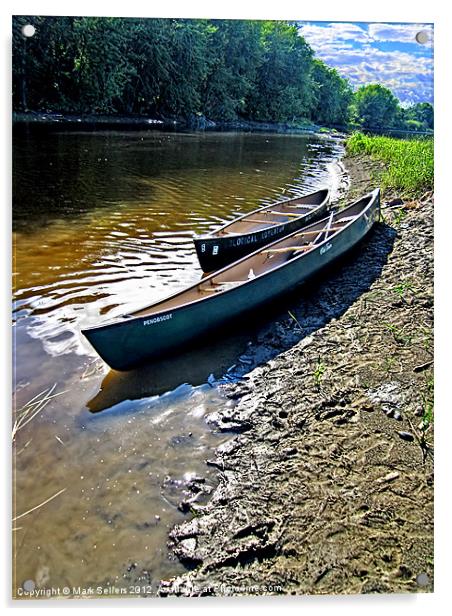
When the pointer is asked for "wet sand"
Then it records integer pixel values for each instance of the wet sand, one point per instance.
(326, 485)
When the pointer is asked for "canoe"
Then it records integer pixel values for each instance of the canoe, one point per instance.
(187, 317)
(267, 224)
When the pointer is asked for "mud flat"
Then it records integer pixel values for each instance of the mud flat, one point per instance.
(326, 485)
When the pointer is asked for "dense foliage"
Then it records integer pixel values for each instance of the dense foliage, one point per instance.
(409, 162)
(223, 69)
(333, 95)
(376, 107)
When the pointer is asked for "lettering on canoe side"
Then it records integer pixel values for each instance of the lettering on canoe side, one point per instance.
(325, 248)
(164, 317)
(257, 237)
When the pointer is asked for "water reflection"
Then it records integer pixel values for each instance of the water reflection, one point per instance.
(196, 366)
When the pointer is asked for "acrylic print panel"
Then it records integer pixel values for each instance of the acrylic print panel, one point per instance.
(287, 447)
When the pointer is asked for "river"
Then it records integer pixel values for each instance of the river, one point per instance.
(103, 223)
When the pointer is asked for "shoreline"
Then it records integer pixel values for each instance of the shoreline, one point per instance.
(327, 485)
(198, 123)
(194, 122)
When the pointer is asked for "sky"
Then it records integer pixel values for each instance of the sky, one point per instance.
(385, 53)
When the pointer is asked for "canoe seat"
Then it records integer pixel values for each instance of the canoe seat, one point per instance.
(217, 287)
(225, 282)
(302, 206)
(271, 251)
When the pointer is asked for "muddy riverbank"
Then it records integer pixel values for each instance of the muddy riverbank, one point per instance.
(326, 485)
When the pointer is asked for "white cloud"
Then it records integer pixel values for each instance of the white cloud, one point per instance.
(332, 33)
(406, 85)
(353, 51)
(388, 61)
(399, 33)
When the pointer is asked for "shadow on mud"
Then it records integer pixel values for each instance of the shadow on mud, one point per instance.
(242, 346)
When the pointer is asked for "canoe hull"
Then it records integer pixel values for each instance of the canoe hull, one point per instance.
(124, 345)
(215, 252)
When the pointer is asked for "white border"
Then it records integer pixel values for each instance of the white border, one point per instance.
(346, 10)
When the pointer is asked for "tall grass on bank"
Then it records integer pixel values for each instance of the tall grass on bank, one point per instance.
(409, 162)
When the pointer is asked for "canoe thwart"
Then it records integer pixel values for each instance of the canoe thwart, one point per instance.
(264, 222)
(301, 207)
(291, 214)
(216, 287)
(316, 231)
(288, 249)
(328, 226)
(346, 219)
(227, 282)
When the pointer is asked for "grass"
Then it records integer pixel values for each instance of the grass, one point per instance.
(428, 399)
(397, 333)
(23, 417)
(33, 407)
(318, 372)
(404, 288)
(409, 162)
(427, 415)
(47, 500)
(294, 318)
(389, 364)
(426, 337)
(399, 215)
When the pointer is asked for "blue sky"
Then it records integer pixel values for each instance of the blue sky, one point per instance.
(385, 53)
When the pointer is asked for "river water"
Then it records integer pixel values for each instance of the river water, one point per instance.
(103, 223)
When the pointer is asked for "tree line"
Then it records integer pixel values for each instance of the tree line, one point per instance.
(223, 69)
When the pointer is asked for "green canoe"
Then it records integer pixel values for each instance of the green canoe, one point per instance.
(251, 231)
(189, 316)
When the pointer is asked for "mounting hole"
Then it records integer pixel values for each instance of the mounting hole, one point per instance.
(28, 30)
(422, 37)
(422, 579)
(29, 585)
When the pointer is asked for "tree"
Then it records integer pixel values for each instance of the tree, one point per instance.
(101, 68)
(42, 64)
(283, 85)
(376, 106)
(234, 55)
(421, 113)
(260, 70)
(333, 95)
(187, 69)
